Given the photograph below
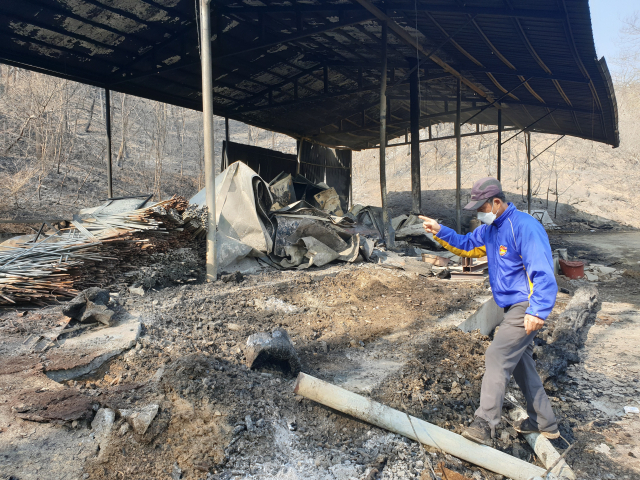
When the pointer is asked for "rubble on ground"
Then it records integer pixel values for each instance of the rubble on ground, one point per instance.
(272, 351)
(90, 306)
(135, 243)
(215, 416)
(139, 418)
(101, 245)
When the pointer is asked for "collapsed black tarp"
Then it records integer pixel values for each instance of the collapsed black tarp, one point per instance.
(322, 164)
(266, 163)
(318, 164)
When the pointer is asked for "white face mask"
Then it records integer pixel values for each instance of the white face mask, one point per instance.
(487, 217)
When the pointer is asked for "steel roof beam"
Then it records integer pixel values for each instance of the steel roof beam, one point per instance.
(422, 118)
(414, 43)
(561, 107)
(66, 33)
(504, 60)
(278, 86)
(448, 137)
(86, 21)
(247, 49)
(542, 65)
(320, 97)
(574, 51)
(454, 43)
(297, 36)
(130, 16)
(60, 48)
(462, 10)
(525, 73)
(51, 68)
(129, 68)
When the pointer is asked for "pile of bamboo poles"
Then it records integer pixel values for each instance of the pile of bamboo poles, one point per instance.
(50, 269)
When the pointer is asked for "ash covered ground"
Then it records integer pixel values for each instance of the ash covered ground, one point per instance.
(383, 333)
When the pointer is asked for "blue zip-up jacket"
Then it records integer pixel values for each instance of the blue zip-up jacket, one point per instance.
(519, 256)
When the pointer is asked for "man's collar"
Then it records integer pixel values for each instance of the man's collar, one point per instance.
(507, 213)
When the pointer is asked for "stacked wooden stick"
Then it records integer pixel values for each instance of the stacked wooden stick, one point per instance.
(52, 268)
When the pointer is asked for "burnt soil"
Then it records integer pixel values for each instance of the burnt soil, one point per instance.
(218, 419)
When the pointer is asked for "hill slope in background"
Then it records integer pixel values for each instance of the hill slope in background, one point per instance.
(592, 179)
(53, 157)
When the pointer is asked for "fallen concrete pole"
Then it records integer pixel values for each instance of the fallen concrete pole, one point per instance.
(543, 448)
(425, 433)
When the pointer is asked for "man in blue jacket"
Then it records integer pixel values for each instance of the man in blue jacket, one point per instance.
(523, 283)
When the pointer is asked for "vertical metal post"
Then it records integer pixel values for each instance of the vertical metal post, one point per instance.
(527, 142)
(107, 103)
(350, 179)
(388, 235)
(226, 137)
(499, 172)
(414, 114)
(207, 120)
(458, 159)
(299, 155)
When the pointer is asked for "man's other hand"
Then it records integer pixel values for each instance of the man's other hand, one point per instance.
(429, 224)
(532, 324)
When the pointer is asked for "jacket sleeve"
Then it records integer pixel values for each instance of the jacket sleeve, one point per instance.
(470, 245)
(538, 264)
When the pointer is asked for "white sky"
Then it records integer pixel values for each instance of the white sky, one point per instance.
(606, 20)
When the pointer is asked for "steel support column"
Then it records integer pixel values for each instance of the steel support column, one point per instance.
(351, 179)
(226, 137)
(458, 159)
(107, 101)
(388, 235)
(414, 113)
(207, 119)
(527, 141)
(299, 155)
(499, 172)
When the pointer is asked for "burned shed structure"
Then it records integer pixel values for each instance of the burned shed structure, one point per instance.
(349, 74)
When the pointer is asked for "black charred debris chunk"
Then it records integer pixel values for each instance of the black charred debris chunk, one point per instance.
(275, 350)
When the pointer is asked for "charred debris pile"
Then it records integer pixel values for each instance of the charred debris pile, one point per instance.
(285, 224)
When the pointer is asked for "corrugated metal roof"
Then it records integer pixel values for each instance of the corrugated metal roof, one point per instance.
(311, 69)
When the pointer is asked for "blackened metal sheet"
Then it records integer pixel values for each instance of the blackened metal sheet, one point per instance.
(266, 163)
(327, 165)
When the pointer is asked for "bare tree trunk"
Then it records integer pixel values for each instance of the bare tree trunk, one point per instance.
(122, 151)
(182, 143)
(555, 213)
(161, 138)
(39, 147)
(103, 113)
(93, 104)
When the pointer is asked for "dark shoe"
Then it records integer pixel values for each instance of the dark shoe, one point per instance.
(527, 426)
(479, 431)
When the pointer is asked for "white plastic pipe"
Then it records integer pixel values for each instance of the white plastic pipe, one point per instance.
(543, 448)
(426, 433)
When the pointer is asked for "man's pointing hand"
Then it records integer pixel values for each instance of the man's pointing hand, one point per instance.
(429, 224)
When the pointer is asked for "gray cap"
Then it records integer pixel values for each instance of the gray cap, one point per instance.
(483, 190)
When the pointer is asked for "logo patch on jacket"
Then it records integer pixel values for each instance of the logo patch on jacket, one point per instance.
(503, 250)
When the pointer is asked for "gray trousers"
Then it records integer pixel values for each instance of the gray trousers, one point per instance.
(511, 352)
